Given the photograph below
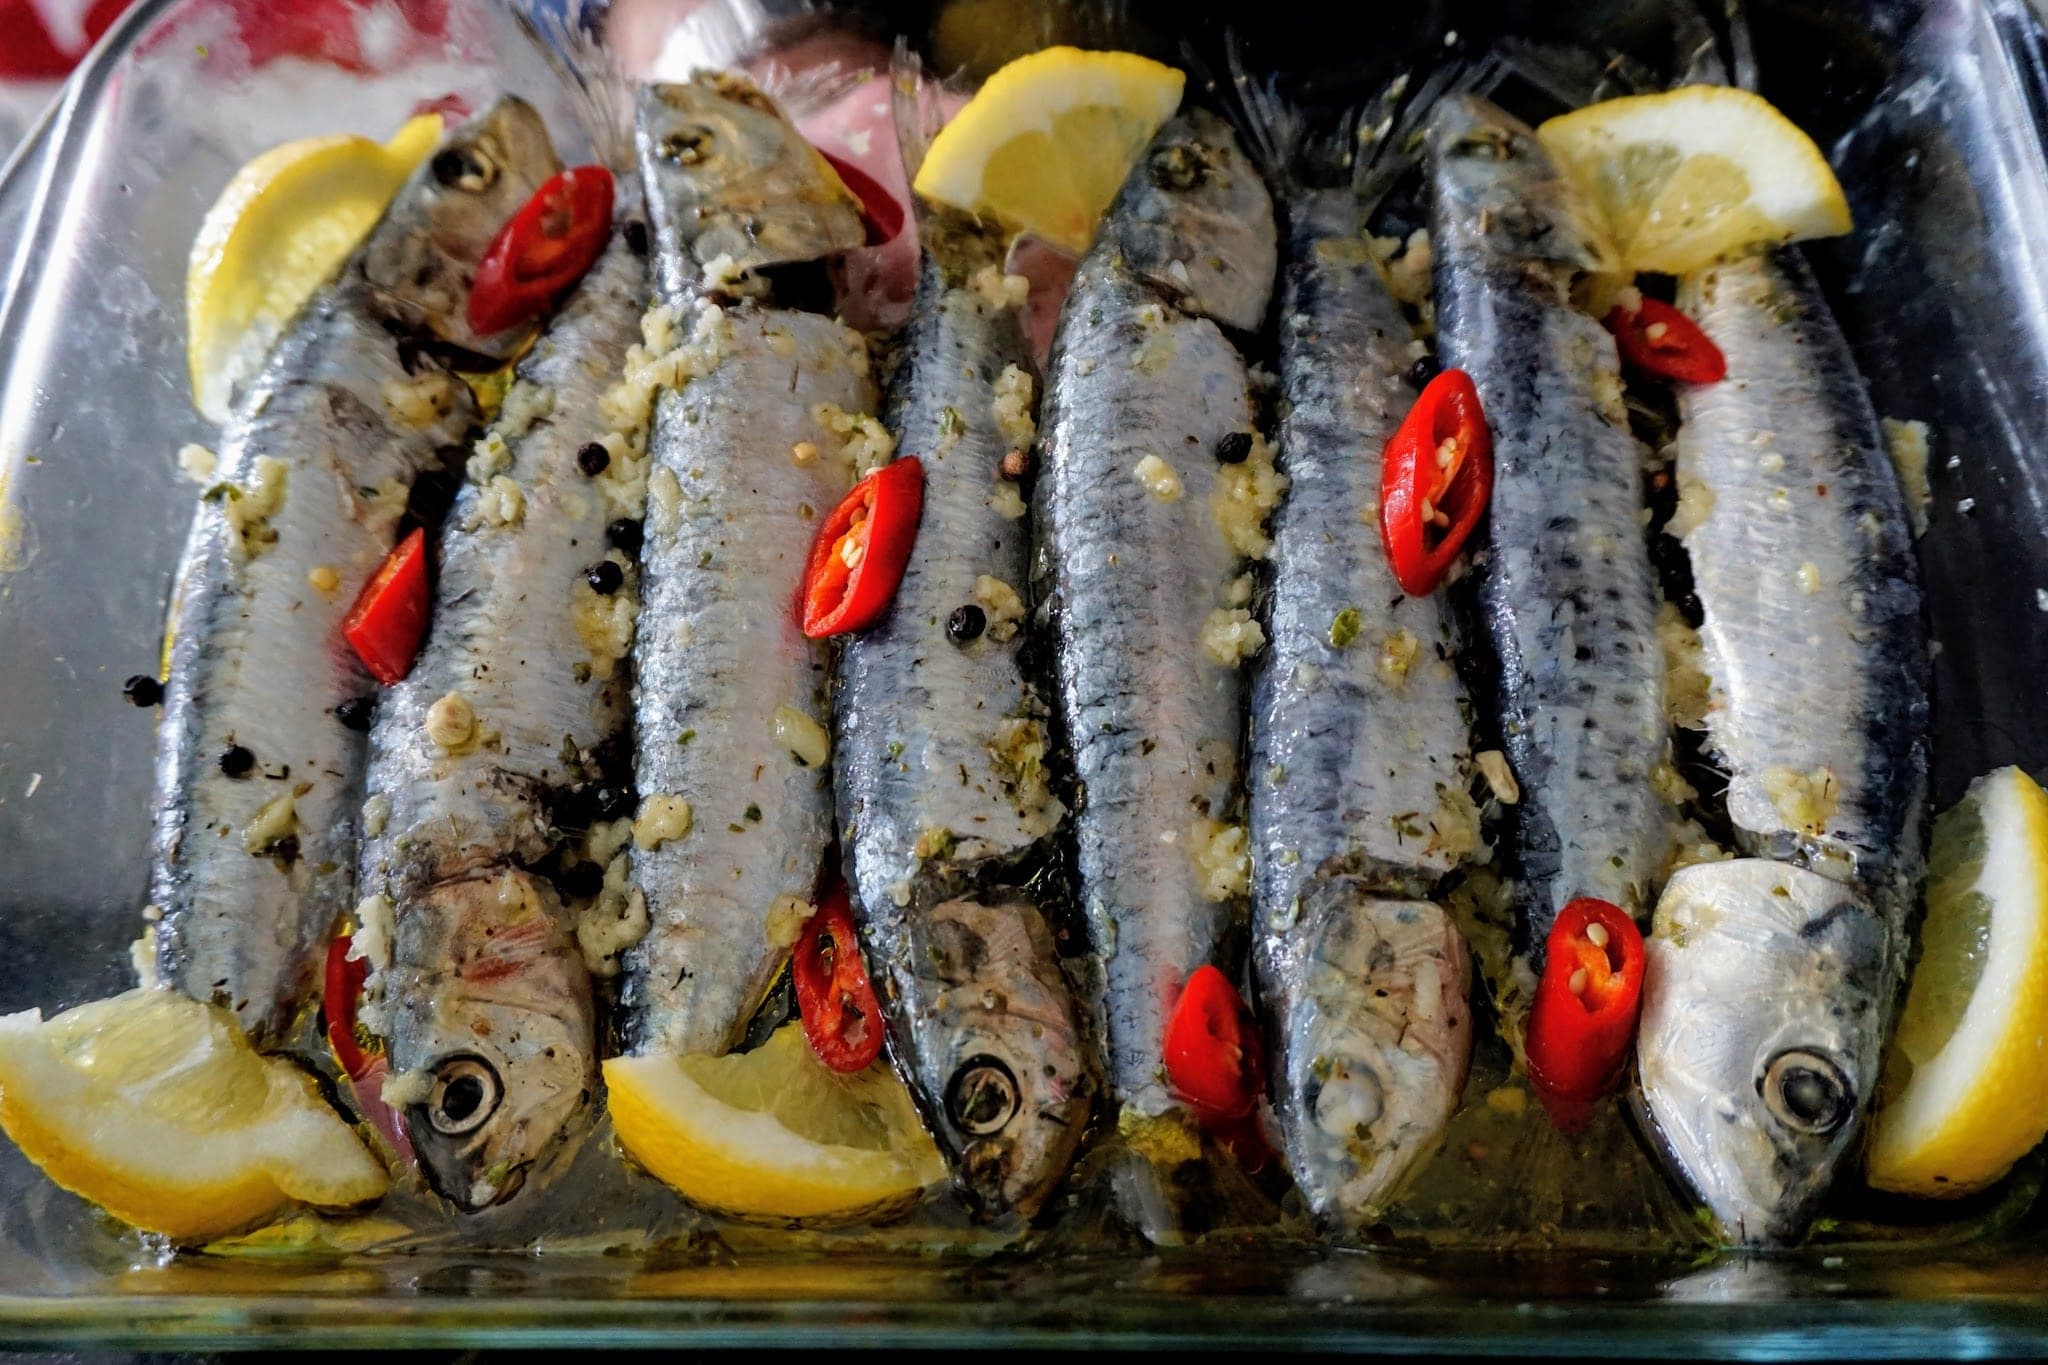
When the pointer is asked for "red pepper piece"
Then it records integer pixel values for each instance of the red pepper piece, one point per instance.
(542, 250)
(338, 1001)
(1435, 479)
(1213, 1058)
(1584, 1017)
(879, 212)
(857, 561)
(389, 618)
(1658, 339)
(842, 1019)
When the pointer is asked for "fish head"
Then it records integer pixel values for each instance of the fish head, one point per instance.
(1196, 221)
(1494, 182)
(1375, 1039)
(500, 1026)
(999, 1059)
(421, 260)
(1761, 1031)
(730, 176)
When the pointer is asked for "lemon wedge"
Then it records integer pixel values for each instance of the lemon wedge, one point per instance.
(278, 231)
(154, 1107)
(773, 1134)
(1048, 141)
(1969, 1092)
(1691, 175)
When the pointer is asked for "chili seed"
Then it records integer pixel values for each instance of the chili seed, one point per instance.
(1233, 448)
(236, 761)
(582, 880)
(966, 623)
(355, 712)
(604, 577)
(626, 535)
(1423, 370)
(1596, 934)
(636, 236)
(1579, 981)
(593, 458)
(142, 690)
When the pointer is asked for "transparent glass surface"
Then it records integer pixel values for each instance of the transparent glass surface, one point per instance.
(1516, 1240)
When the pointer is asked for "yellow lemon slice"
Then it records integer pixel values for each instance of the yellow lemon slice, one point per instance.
(154, 1107)
(773, 1134)
(278, 232)
(1967, 1082)
(1691, 175)
(1046, 144)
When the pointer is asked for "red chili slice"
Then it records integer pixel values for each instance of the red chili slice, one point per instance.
(385, 625)
(338, 1001)
(879, 212)
(1435, 479)
(857, 560)
(842, 1019)
(542, 250)
(1213, 1058)
(1658, 339)
(1584, 1016)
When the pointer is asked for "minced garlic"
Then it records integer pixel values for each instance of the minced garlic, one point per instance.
(1809, 578)
(1398, 653)
(664, 502)
(488, 458)
(663, 816)
(1694, 846)
(615, 921)
(999, 290)
(807, 741)
(324, 579)
(1804, 801)
(1695, 504)
(1018, 748)
(376, 814)
(142, 956)
(407, 1088)
(501, 502)
(1001, 604)
(1670, 784)
(1230, 636)
(1907, 444)
(525, 404)
(276, 821)
(1246, 493)
(1687, 689)
(1007, 502)
(861, 441)
(451, 723)
(376, 930)
(1454, 828)
(1223, 860)
(419, 401)
(1158, 478)
(787, 916)
(1500, 778)
(804, 453)
(198, 463)
(1011, 406)
(604, 621)
(249, 510)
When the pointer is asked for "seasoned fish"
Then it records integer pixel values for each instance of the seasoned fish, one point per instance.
(944, 808)
(259, 785)
(1153, 495)
(1360, 756)
(1761, 1036)
(519, 686)
(1567, 592)
(756, 441)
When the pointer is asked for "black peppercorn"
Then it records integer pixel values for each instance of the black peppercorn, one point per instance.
(581, 880)
(592, 458)
(1233, 448)
(966, 623)
(1423, 370)
(626, 535)
(354, 713)
(142, 690)
(236, 761)
(636, 236)
(604, 577)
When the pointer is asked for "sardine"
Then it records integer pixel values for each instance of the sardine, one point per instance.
(519, 688)
(1763, 1024)
(1152, 500)
(1361, 756)
(259, 785)
(944, 804)
(1566, 589)
(753, 444)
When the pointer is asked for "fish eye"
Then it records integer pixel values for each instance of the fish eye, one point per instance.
(687, 146)
(465, 1094)
(1348, 1102)
(465, 168)
(1176, 167)
(1806, 1091)
(983, 1097)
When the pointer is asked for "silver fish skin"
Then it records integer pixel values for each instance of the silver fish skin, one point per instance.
(250, 872)
(1129, 570)
(944, 807)
(486, 988)
(744, 468)
(1359, 770)
(1764, 1005)
(1567, 593)
(1761, 1054)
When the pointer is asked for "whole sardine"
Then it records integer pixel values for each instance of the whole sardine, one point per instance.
(754, 443)
(1764, 1020)
(259, 784)
(944, 806)
(1153, 496)
(1361, 756)
(1567, 590)
(517, 689)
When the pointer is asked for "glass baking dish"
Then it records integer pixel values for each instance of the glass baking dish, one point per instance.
(1932, 110)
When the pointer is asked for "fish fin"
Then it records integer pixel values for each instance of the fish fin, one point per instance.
(599, 93)
(801, 94)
